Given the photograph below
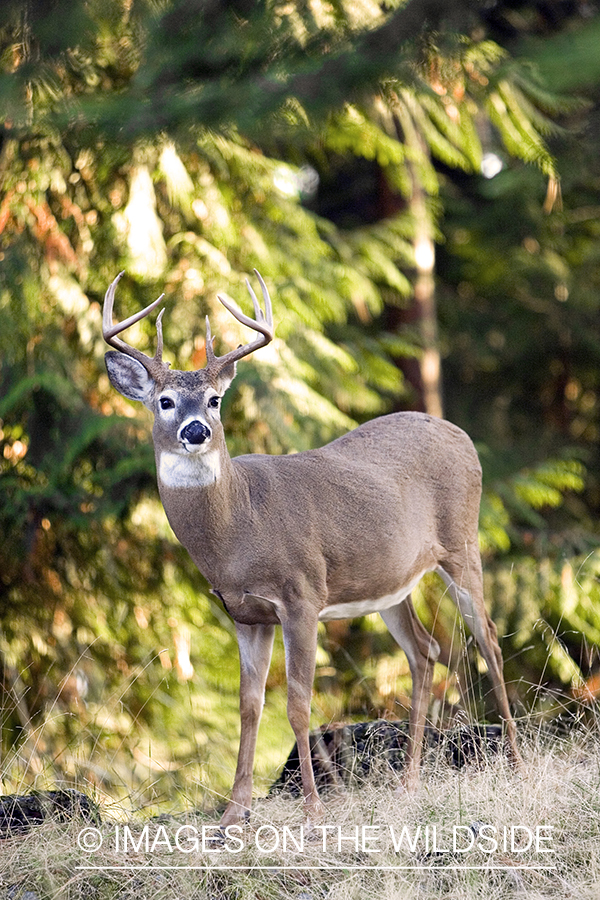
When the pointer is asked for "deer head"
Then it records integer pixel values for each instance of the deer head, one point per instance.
(187, 432)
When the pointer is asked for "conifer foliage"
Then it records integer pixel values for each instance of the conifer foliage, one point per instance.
(338, 148)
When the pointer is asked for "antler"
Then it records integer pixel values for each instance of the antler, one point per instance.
(263, 323)
(154, 365)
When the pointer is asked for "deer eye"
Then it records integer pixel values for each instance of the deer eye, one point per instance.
(166, 403)
(214, 402)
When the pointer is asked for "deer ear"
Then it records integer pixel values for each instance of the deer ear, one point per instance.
(128, 376)
(225, 377)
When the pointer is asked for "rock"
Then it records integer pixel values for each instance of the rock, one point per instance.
(345, 753)
(19, 812)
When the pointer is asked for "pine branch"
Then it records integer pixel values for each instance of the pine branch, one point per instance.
(319, 79)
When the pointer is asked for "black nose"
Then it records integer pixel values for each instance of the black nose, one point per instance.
(195, 432)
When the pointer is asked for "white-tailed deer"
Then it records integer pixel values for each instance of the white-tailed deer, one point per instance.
(332, 533)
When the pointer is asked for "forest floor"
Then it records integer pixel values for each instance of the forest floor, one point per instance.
(482, 831)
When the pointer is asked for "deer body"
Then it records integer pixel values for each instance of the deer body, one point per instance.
(337, 532)
(331, 516)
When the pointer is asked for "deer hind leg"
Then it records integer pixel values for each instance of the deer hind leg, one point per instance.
(255, 644)
(464, 578)
(421, 650)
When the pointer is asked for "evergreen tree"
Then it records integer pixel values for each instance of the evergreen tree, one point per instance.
(189, 143)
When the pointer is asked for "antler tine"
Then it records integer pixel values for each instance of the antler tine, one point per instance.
(263, 324)
(110, 331)
(267, 299)
(259, 324)
(210, 353)
(159, 333)
(108, 328)
(257, 310)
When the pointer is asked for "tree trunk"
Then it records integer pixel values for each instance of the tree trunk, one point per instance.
(424, 308)
(423, 373)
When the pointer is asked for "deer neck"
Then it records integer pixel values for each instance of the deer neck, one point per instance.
(202, 497)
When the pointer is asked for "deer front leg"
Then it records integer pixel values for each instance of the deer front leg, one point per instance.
(300, 642)
(255, 643)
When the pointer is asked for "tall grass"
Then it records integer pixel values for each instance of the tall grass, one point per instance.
(154, 808)
(351, 854)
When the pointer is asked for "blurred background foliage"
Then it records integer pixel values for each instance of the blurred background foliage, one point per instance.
(419, 187)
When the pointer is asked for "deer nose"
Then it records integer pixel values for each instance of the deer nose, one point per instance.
(195, 432)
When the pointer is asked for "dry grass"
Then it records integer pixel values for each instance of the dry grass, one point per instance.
(558, 794)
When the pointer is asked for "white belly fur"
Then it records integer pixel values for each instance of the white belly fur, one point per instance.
(357, 608)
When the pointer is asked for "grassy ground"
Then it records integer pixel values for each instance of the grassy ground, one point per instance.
(478, 832)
